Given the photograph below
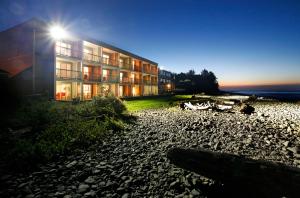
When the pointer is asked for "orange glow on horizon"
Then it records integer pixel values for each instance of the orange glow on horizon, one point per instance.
(250, 84)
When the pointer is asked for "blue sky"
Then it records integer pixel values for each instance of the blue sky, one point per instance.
(243, 42)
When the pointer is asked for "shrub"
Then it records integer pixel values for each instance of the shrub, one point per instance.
(59, 127)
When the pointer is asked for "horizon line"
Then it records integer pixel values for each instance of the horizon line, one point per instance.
(260, 85)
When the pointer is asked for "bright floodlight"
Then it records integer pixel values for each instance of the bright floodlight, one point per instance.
(58, 32)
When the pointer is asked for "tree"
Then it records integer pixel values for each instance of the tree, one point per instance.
(193, 83)
(191, 72)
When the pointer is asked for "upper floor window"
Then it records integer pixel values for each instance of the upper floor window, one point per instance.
(63, 48)
(64, 70)
(121, 62)
(64, 65)
(106, 58)
(88, 53)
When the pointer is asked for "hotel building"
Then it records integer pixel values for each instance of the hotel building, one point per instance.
(166, 82)
(73, 66)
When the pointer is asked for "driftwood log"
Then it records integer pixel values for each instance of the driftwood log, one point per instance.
(255, 178)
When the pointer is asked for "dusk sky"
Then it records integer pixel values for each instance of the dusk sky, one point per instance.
(242, 42)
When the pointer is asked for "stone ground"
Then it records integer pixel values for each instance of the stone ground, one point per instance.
(134, 163)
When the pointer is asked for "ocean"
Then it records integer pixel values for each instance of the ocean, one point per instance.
(279, 95)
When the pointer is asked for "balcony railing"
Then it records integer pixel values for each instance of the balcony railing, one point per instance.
(147, 82)
(154, 82)
(137, 81)
(92, 77)
(147, 71)
(110, 78)
(125, 80)
(154, 71)
(109, 61)
(137, 68)
(68, 74)
(67, 52)
(91, 57)
(125, 66)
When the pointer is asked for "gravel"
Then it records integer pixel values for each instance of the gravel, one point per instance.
(134, 163)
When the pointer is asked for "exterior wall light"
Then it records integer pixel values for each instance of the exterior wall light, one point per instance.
(58, 32)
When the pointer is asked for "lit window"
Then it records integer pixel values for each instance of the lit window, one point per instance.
(121, 62)
(63, 69)
(63, 48)
(85, 72)
(106, 58)
(88, 53)
(105, 72)
(87, 93)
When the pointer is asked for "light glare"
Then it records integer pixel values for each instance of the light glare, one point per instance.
(58, 32)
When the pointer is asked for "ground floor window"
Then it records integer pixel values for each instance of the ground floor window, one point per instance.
(154, 90)
(136, 90)
(67, 90)
(87, 91)
(147, 90)
(121, 89)
(124, 90)
(63, 91)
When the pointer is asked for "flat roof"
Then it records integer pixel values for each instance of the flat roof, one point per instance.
(103, 44)
(39, 23)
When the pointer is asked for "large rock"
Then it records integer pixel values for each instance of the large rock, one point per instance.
(247, 109)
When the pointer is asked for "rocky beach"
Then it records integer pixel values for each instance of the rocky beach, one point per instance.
(134, 163)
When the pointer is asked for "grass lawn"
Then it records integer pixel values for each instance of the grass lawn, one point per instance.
(154, 102)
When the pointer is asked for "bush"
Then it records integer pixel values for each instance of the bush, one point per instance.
(60, 127)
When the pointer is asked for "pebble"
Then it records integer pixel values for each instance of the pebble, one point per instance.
(90, 180)
(135, 162)
(195, 192)
(83, 188)
(126, 195)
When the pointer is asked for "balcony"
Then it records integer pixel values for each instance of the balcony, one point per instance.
(137, 68)
(147, 82)
(110, 78)
(148, 71)
(109, 61)
(137, 81)
(154, 71)
(154, 82)
(65, 74)
(91, 57)
(125, 80)
(92, 77)
(67, 52)
(125, 66)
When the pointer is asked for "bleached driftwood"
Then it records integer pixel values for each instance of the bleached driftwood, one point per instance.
(205, 106)
(228, 102)
(224, 107)
(196, 107)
